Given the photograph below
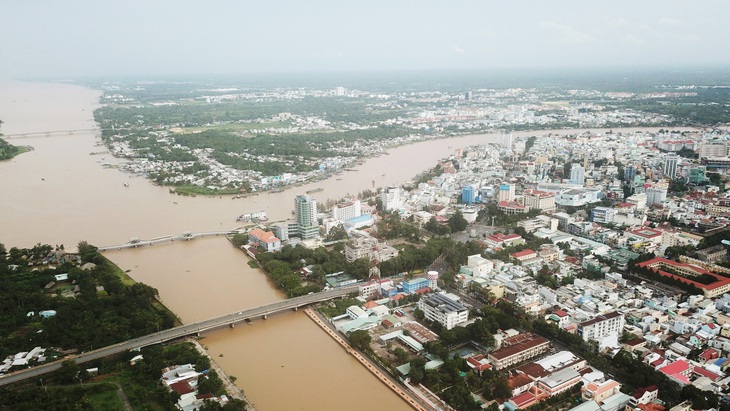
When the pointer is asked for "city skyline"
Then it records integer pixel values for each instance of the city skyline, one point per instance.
(185, 38)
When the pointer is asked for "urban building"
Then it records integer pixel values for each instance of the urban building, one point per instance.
(467, 195)
(506, 192)
(305, 211)
(444, 310)
(577, 174)
(670, 166)
(391, 198)
(531, 346)
(347, 210)
(602, 326)
(541, 200)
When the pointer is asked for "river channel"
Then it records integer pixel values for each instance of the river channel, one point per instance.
(61, 193)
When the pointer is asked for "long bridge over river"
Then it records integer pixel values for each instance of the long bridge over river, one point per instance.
(167, 239)
(55, 133)
(194, 329)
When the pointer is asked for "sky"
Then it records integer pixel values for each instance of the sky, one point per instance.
(74, 38)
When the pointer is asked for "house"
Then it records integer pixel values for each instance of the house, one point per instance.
(524, 255)
(266, 239)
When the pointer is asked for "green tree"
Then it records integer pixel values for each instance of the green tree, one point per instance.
(360, 339)
(457, 222)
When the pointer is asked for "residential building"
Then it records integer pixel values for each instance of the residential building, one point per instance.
(506, 192)
(530, 347)
(305, 211)
(560, 381)
(541, 200)
(670, 166)
(347, 210)
(656, 194)
(577, 174)
(444, 310)
(602, 326)
(524, 255)
(467, 194)
(414, 285)
(391, 198)
(266, 239)
(365, 246)
(599, 391)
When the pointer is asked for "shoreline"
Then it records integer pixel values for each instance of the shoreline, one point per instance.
(231, 388)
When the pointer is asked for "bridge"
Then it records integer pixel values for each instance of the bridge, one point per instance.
(194, 329)
(167, 239)
(49, 133)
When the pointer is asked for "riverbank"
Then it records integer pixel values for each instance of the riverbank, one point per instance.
(231, 388)
(364, 361)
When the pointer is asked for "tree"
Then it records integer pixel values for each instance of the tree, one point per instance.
(401, 354)
(457, 222)
(360, 339)
(239, 239)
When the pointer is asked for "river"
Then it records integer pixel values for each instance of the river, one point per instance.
(60, 193)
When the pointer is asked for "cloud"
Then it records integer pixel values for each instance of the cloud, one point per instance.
(669, 21)
(633, 40)
(567, 33)
(618, 22)
(457, 49)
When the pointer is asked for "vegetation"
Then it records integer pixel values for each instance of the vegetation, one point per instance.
(97, 306)
(8, 151)
(140, 383)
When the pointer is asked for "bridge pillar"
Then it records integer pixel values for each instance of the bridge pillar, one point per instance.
(295, 308)
(264, 316)
(233, 325)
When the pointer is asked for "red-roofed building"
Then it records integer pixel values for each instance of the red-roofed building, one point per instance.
(679, 371)
(701, 372)
(478, 363)
(644, 234)
(710, 353)
(524, 255)
(266, 239)
(512, 207)
(504, 240)
(713, 289)
(528, 398)
(644, 395)
(514, 354)
(520, 383)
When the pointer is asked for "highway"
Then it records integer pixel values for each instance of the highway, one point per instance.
(182, 331)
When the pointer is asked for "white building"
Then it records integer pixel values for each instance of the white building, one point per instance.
(444, 310)
(541, 200)
(347, 210)
(602, 326)
(577, 174)
(506, 192)
(656, 194)
(578, 197)
(391, 198)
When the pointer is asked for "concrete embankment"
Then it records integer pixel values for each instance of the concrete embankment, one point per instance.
(364, 361)
(231, 388)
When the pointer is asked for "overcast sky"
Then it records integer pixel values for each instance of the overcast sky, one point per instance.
(179, 37)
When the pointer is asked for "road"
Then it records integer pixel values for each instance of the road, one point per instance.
(182, 331)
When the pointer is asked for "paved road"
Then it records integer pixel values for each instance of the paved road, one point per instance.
(181, 331)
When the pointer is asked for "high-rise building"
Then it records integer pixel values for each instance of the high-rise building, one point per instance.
(656, 194)
(629, 173)
(339, 91)
(697, 174)
(670, 166)
(347, 210)
(391, 198)
(468, 95)
(506, 192)
(305, 211)
(467, 194)
(577, 174)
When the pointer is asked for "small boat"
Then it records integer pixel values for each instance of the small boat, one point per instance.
(316, 190)
(126, 184)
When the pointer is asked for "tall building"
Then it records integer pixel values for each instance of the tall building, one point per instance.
(468, 95)
(656, 194)
(391, 198)
(467, 194)
(670, 166)
(347, 210)
(339, 91)
(506, 192)
(629, 173)
(305, 211)
(577, 174)
(602, 326)
(697, 174)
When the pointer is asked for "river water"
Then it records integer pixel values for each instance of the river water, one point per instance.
(60, 193)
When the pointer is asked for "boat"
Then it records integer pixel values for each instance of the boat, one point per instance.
(126, 184)
(315, 190)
